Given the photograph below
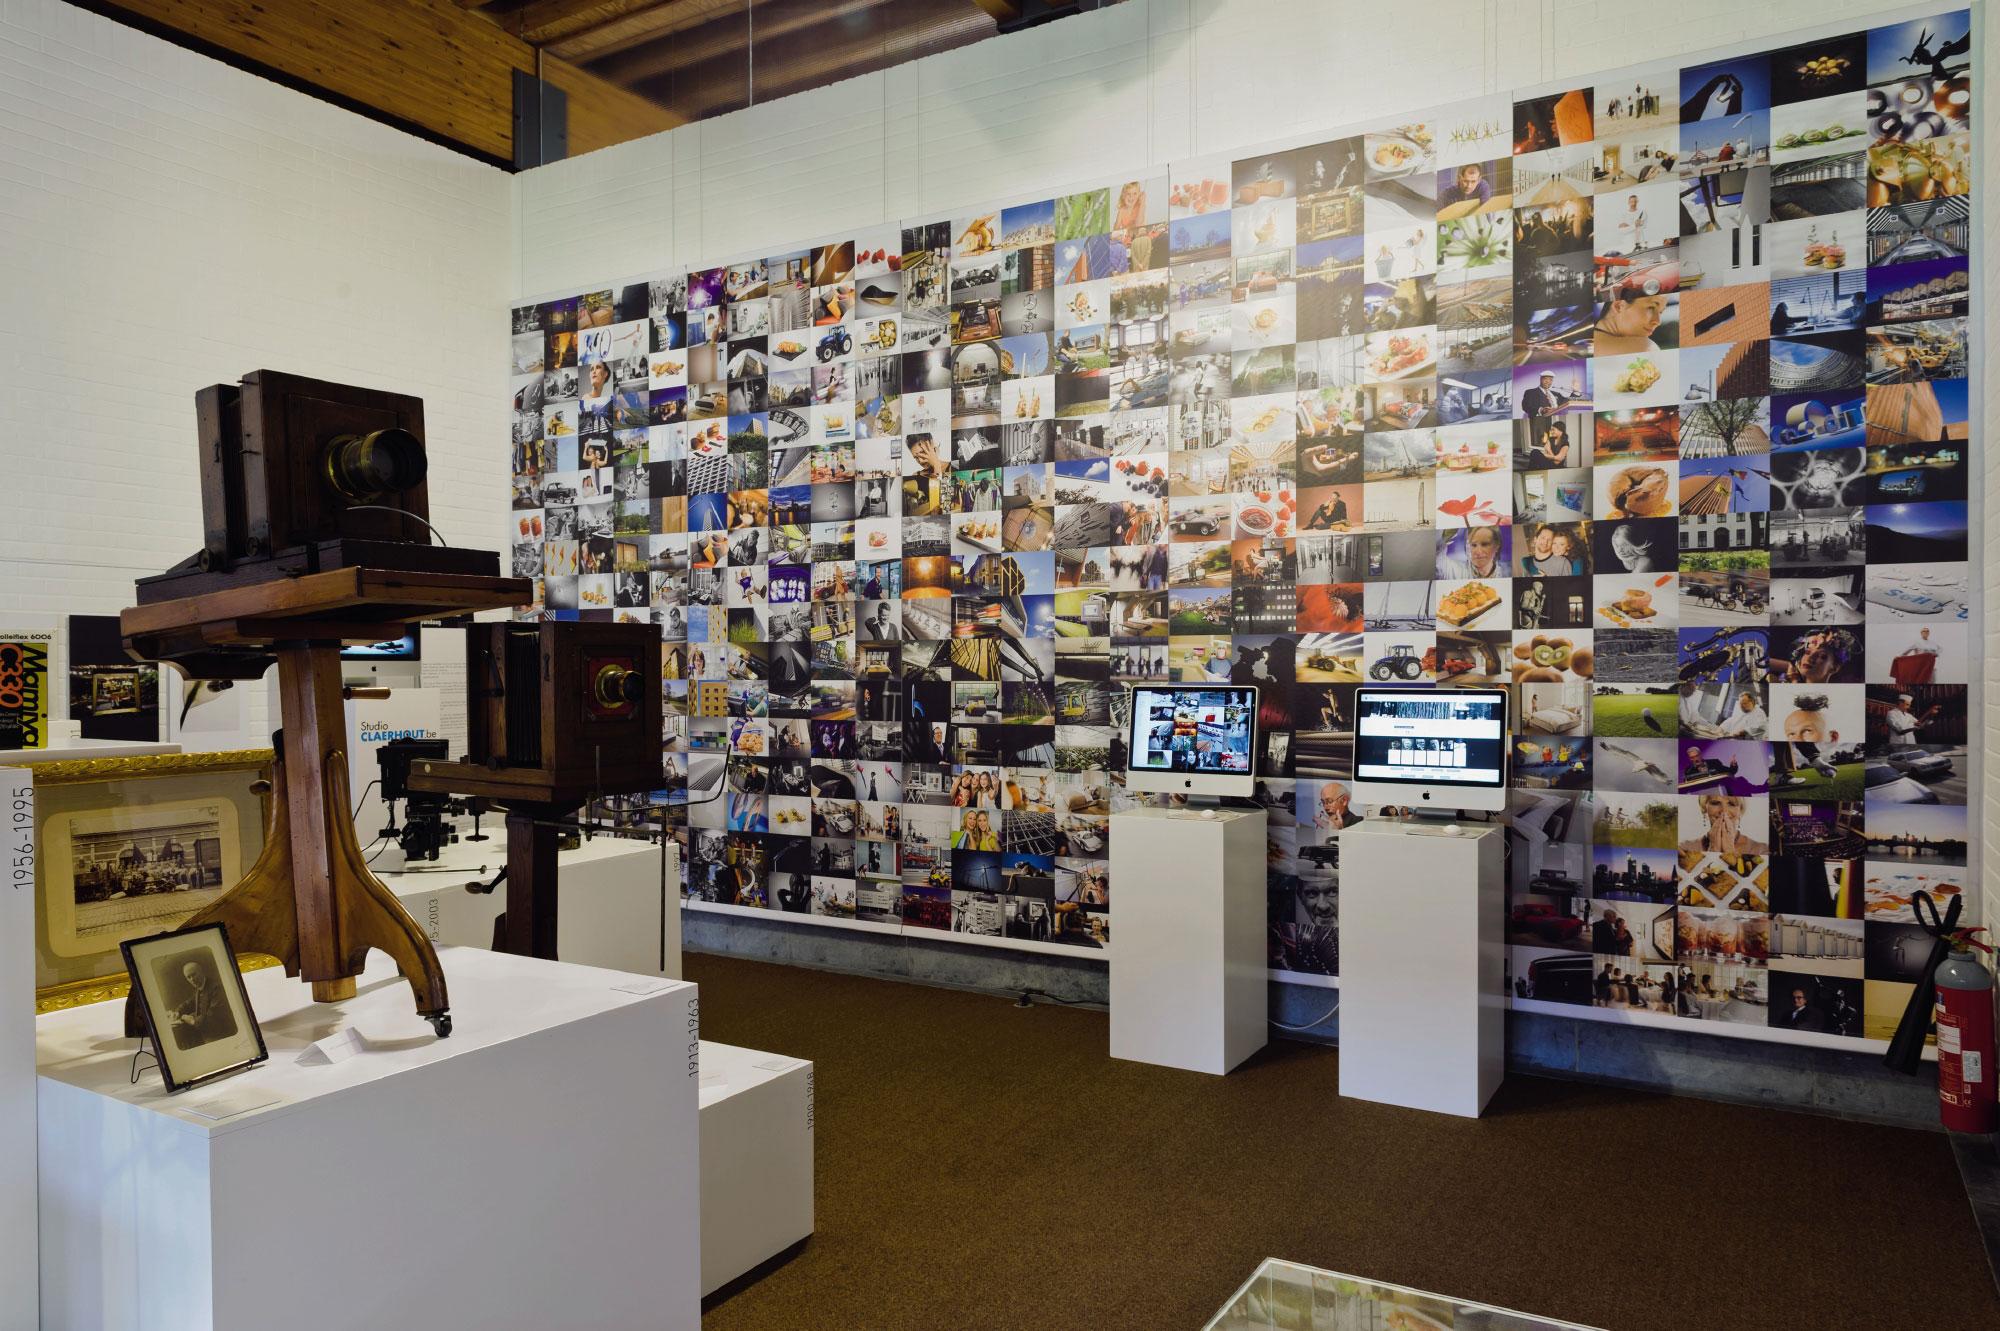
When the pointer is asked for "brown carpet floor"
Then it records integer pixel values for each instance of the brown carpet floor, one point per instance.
(986, 1166)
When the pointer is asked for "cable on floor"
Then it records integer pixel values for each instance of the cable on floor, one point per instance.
(1283, 1026)
(1027, 996)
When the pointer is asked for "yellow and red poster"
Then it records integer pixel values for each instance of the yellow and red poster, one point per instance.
(24, 687)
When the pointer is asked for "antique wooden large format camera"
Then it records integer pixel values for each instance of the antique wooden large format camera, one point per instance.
(300, 476)
(316, 533)
(556, 715)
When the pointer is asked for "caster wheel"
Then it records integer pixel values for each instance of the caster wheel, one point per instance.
(441, 1023)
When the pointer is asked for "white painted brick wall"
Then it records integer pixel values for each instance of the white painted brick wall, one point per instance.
(167, 223)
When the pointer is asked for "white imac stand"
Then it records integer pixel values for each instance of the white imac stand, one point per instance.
(1422, 997)
(1188, 988)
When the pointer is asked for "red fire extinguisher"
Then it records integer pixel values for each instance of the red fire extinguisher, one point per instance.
(1965, 1037)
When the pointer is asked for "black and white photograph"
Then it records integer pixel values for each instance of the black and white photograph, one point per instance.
(196, 1009)
(132, 871)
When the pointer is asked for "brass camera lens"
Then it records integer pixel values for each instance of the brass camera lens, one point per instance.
(362, 468)
(615, 686)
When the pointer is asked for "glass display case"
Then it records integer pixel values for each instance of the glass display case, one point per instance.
(1285, 1296)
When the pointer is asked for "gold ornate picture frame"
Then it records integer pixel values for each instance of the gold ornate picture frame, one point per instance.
(130, 847)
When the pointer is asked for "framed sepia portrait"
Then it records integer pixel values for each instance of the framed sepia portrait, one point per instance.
(197, 1011)
(130, 847)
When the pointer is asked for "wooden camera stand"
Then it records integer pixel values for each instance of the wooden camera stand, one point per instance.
(310, 899)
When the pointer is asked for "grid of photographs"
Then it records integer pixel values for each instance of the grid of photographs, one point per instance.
(1646, 398)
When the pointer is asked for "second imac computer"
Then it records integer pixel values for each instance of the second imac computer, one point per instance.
(1443, 749)
(1192, 739)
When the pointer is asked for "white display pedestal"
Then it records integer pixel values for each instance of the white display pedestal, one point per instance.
(538, 1169)
(18, 1267)
(756, 1158)
(1188, 988)
(1422, 1003)
(608, 913)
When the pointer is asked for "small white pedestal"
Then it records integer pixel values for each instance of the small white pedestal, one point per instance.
(1421, 998)
(538, 1169)
(608, 914)
(1188, 988)
(756, 1158)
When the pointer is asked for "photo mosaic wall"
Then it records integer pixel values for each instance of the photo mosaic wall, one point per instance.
(1646, 398)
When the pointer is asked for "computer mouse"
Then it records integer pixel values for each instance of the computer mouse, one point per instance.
(1452, 829)
(1208, 813)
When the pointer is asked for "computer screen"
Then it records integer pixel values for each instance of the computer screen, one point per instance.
(405, 648)
(1447, 747)
(1196, 740)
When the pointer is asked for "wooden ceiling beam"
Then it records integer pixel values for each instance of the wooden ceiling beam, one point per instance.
(658, 19)
(600, 112)
(427, 65)
(836, 59)
(540, 22)
(670, 58)
(1001, 10)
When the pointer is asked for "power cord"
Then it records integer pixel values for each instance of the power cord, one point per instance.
(391, 508)
(364, 799)
(1028, 996)
(1321, 1021)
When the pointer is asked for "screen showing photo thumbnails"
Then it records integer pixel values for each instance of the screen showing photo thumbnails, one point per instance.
(1195, 730)
(1430, 738)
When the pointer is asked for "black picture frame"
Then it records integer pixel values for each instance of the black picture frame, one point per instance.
(212, 941)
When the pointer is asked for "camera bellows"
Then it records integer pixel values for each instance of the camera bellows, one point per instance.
(362, 468)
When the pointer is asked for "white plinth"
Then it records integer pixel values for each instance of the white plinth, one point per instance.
(538, 1169)
(1421, 999)
(756, 1158)
(1188, 988)
(609, 911)
(17, 1054)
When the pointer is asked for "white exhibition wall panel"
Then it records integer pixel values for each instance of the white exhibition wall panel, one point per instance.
(627, 198)
(773, 164)
(1137, 84)
(170, 223)
(1005, 119)
(18, 1233)
(1278, 370)
(1291, 69)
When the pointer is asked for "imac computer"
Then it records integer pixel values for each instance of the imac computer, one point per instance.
(405, 648)
(1443, 749)
(1187, 739)
(392, 663)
